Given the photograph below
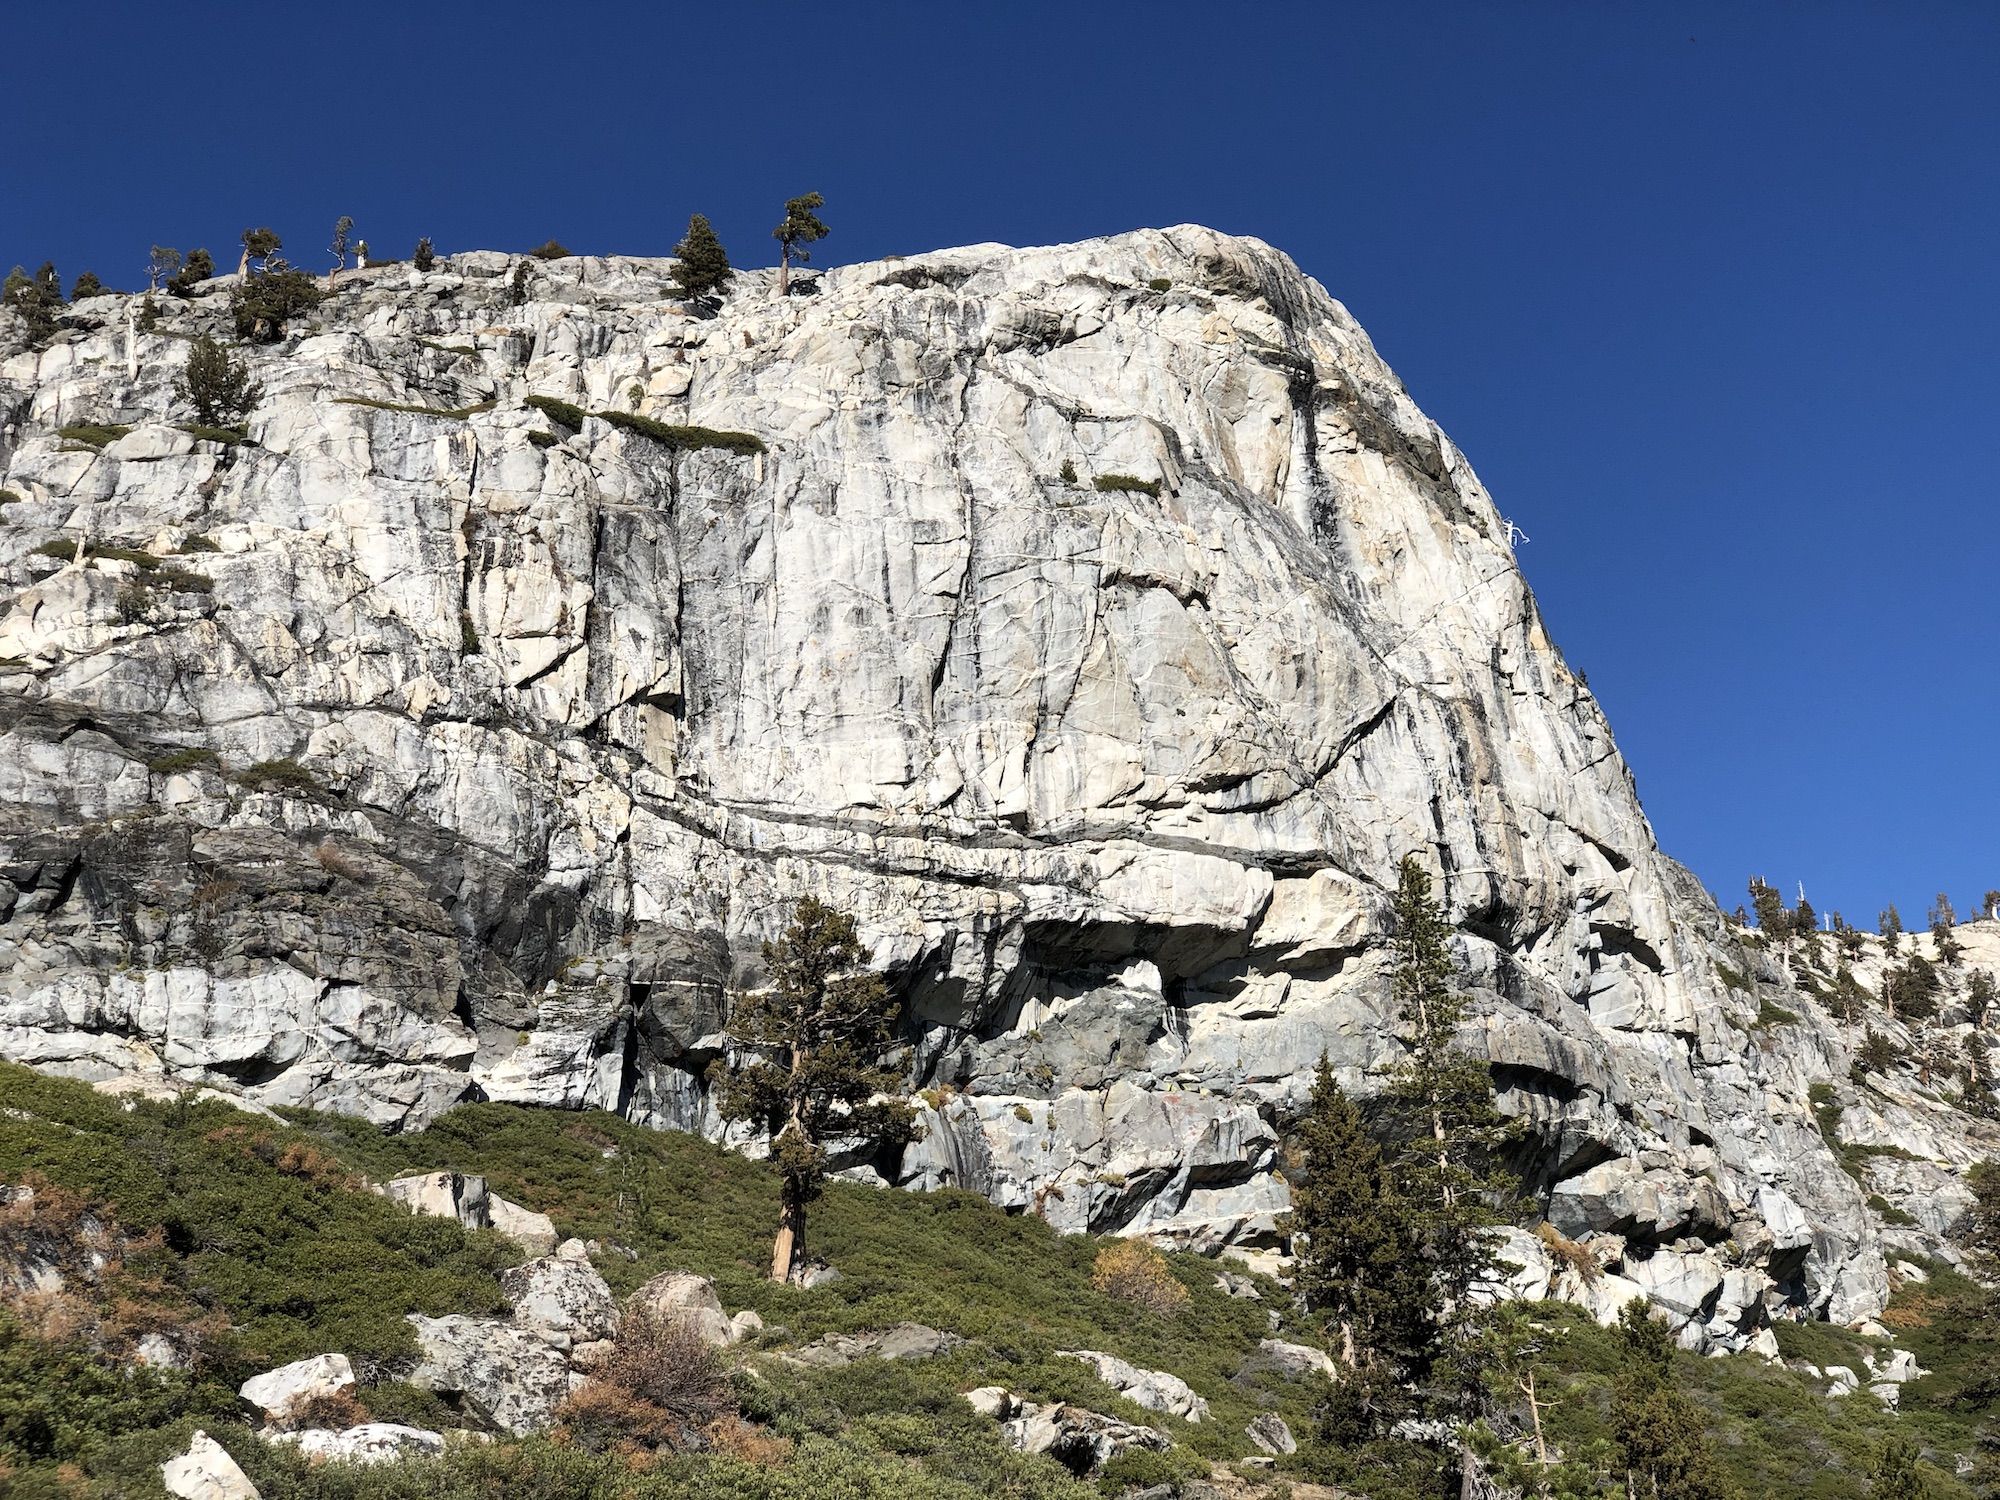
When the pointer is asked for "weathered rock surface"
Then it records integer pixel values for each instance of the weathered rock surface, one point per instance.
(687, 1298)
(1156, 1390)
(402, 754)
(206, 1472)
(515, 1379)
(369, 1443)
(277, 1393)
(443, 1195)
(561, 1299)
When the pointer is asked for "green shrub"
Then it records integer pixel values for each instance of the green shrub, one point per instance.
(1126, 483)
(97, 552)
(684, 439)
(544, 439)
(8, 497)
(468, 636)
(93, 434)
(183, 760)
(552, 250)
(423, 257)
(562, 413)
(1160, 284)
(285, 775)
(1888, 1213)
(1769, 1014)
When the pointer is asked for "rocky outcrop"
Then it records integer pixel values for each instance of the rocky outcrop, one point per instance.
(1156, 1390)
(561, 1299)
(1082, 1441)
(1099, 623)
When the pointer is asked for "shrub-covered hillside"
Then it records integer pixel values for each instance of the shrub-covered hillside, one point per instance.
(243, 1243)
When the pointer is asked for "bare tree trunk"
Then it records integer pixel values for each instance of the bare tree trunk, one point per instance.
(782, 1248)
(784, 270)
(243, 265)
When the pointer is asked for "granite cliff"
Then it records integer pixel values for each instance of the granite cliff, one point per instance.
(1099, 623)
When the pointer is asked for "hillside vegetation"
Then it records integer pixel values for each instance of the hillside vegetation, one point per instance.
(257, 1243)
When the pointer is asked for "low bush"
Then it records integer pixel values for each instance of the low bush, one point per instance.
(552, 250)
(177, 761)
(196, 542)
(93, 434)
(98, 552)
(281, 776)
(544, 439)
(562, 413)
(1160, 284)
(684, 439)
(1125, 483)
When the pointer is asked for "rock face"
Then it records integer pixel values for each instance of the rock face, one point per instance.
(1102, 644)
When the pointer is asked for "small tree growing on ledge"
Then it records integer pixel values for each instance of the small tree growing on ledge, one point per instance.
(810, 1061)
(216, 386)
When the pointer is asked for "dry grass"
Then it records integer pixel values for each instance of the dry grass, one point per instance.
(1568, 1253)
(1133, 1271)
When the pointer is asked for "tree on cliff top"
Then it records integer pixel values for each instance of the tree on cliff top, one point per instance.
(801, 227)
(701, 266)
(812, 1059)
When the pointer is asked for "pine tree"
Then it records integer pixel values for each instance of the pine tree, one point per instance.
(1891, 928)
(424, 258)
(216, 386)
(1876, 1054)
(1981, 1227)
(1980, 996)
(1442, 1156)
(1357, 1272)
(258, 245)
(197, 269)
(1896, 1476)
(343, 231)
(161, 265)
(801, 227)
(808, 1062)
(1943, 920)
(1661, 1434)
(701, 266)
(87, 285)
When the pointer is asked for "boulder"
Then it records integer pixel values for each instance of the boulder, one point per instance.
(444, 1195)
(533, 1232)
(1156, 1390)
(1297, 1361)
(1269, 1432)
(561, 1300)
(684, 1297)
(514, 1378)
(206, 1472)
(370, 1443)
(277, 1393)
(994, 1401)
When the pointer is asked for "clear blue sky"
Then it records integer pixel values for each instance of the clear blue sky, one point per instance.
(1707, 292)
